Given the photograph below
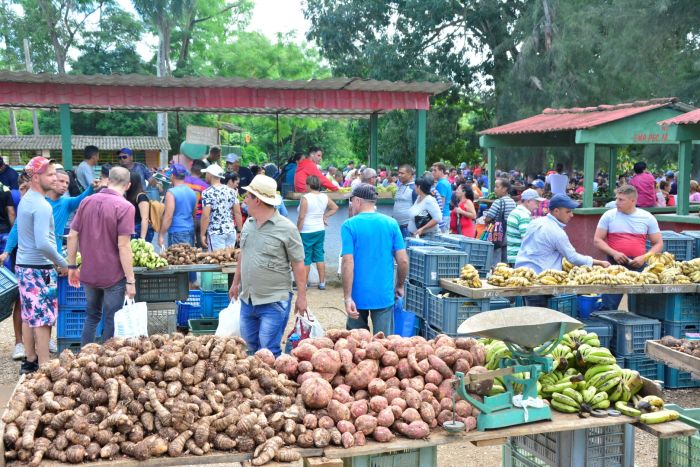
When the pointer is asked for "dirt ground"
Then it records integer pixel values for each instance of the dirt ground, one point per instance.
(327, 306)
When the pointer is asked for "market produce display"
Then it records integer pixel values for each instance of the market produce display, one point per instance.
(184, 254)
(690, 347)
(469, 277)
(145, 256)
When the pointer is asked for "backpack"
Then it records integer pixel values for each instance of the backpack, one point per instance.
(156, 209)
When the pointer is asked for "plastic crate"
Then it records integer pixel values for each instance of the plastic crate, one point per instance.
(214, 282)
(190, 309)
(9, 291)
(480, 252)
(213, 303)
(414, 298)
(411, 242)
(202, 326)
(70, 344)
(499, 303)
(422, 457)
(446, 314)
(162, 318)
(427, 265)
(647, 367)
(162, 287)
(679, 330)
(630, 332)
(567, 304)
(430, 332)
(601, 446)
(70, 296)
(681, 246)
(514, 456)
(70, 323)
(675, 379)
(695, 235)
(602, 328)
(681, 452)
(666, 307)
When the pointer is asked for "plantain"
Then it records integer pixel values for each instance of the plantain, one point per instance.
(628, 410)
(661, 416)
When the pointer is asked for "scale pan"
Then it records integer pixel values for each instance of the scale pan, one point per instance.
(526, 326)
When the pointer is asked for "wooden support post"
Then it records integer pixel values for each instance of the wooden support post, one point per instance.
(685, 150)
(421, 124)
(373, 135)
(612, 171)
(491, 167)
(66, 143)
(588, 174)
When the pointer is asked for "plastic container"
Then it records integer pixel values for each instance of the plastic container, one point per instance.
(695, 235)
(414, 298)
(213, 303)
(214, 282)
(427, 265)
(679, 330)
(446, 314)
(404, 320)
(162, 318)
(565, 303)
(422, 457)
(647, 367)
(586, 305)
(70, 296)
(666, 307)
(70, 344)
(681, 452)
(675, 379)
(499, 303)
(630, 332)
(430, 332)
(480, 252)
(602, 328)
(190, 309)
(202, 326)
(71, 321)
(162, 287)
(681, 246)
(9, 291)
(413, 242)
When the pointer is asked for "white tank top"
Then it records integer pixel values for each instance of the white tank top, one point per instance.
(316, 204)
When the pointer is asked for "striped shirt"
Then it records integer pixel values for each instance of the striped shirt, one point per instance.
(627, 233)
(517, 227)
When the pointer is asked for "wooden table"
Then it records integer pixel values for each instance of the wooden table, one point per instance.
(187, 268)
(490, 291)
(673, 358)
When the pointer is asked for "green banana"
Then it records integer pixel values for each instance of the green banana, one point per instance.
(604, 404)
(600, 396)
(661, 416)
(497, 389)
(566, 400)
(574, 394)
(600, 359)
(557, 387)
(616, 394)
(625, 409)
(594, 370)
(589, 393)
(563, 407)
(610, 384)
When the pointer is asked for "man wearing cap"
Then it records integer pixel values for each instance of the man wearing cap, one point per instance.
(371, 242)
(671, 179)
(309, 166)
(542, 208)
(8, 176)
(233, 165)
(85, 173)
(36, 258)
(106, 272)
(126, 159)
(213, 157)
(180, 210)
(220, 207)
(271, 248)
(517, 223)
(545, 244)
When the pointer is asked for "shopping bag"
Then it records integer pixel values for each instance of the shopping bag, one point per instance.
(131, 320)
(404, 321)
(305, 326)
(230, 320)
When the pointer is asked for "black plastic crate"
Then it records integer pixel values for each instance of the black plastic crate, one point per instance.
(602, 328)
(446, 314)
(681, 246)
(414, 298)
(480, 252)
(647, 367)
(162, 287)
(427, 265)
(630, 332)
(679, 329)
(666, 307)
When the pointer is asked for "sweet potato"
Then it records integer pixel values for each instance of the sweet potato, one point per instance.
(360, 439)
(417, 383)
(359, 408)
(326, 361)
(424, 365)
(288, 365)
(361, 335)
(360, 376)
(434, 377)
(446, 354)
(438, 364)
(347, 439)
(316, 393)
(346, 362)
(463, 409)
(266, 356)
(402, 348)
(396, 411)
(412, 397)
(461, 365)
(423, 350)
(376, 387)
(326, 422)
(417, 430)
(304, 367)
(404, 370)
(304, 351)
(378, 403)
(321, 342)
(410, 414)
(387, 372)
(444, 340)
(389, 358)
(338, 411)
(338, 380)
(446, 416)
(445, 389)
(382, 434)
(345, 426)
(482, 387)
(400, 402)
(432, 388)
(479, 355)
(374, 350)
(336, 334)
(345, 344)
(359, 355)
(391, 394)
(361, 394)
(465, 342)
(414, 362)
(426, 396)
(341, 395)
(470, 423)
(308, 375)
(386, 417)
(427, 412)
(393, 382)
(366, 424)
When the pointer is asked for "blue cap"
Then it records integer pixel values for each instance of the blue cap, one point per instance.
(126, 151)
(538, 183)
(670, 173)
(178, 170)
(463, 165)
(562, 201)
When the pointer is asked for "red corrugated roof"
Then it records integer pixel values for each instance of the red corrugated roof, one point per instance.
(689, 118)
(577, 118)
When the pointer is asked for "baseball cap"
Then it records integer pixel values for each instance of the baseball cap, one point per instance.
(178, 170)
(232, 157)
(562, 201)
(538, 184)
(215, 170)
(463, 165)
(365, 191)
(126, 151)
(530, 194)
(37, 165)
(670, 173)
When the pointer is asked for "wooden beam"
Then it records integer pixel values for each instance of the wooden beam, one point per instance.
(685, 150)
(555, 139)
(489, 442)
(421, 128)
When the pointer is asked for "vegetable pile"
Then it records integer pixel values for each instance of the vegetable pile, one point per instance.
(145, 256)
(691, 347)
(184, 254)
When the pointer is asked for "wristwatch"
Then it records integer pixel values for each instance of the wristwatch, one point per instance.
(72, 266)
(131, 283)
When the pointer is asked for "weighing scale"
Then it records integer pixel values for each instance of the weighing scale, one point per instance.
(530, 333)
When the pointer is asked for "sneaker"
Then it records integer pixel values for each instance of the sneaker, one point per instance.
(28, 367)
(321, 286)
(19, 353)
(53, 346)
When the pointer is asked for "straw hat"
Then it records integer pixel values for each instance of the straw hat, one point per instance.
(265, 189)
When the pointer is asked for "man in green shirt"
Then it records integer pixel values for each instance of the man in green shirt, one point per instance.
(518, 221)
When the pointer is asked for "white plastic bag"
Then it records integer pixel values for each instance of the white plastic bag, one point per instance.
(230, 320)
(131, 320)
(310, 325)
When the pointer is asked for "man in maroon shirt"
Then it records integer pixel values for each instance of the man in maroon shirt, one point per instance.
(309, 166)
(645, 184)
(102, 228)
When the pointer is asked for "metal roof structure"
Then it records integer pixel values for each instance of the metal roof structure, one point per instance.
(332, 97)
(689, 118)
(105, 143)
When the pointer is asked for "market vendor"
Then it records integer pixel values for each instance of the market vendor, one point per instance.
(545, 244)
(622, 235)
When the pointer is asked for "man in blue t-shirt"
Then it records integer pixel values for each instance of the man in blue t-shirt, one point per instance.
(370, 243)
(444, 189)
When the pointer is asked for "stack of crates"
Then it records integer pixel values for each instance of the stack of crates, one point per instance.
(681, 246)
(480, 252)
(189, 309)
(214, 286)
(679, 315)
(695, 235)
(629, 336)
(604, 330)
(9, 292)
(72, 312)
(682, 451)
(160, 291)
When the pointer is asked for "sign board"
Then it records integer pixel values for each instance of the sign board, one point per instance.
(202, 135)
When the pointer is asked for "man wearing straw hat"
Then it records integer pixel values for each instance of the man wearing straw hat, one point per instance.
(271, 248)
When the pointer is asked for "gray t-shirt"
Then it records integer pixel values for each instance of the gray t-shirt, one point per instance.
(85, 174)
(403, 202)
(36, 244)
(428, 205)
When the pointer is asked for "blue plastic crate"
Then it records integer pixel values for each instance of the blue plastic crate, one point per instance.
(446, 314)
(213, 303)
(647, 367)
(480, 252)
(9, 291)
(695, 235)
(70, 296)
(430, 332)
(70, 344)
(189, 309)
(630, 332)
(413, 242)
(70, 323)
(666, 307)
(679, 329)
(427, 265)
(414, 298)
(602, 328)
(566, 304)
(675, 379)
(681, 246)
(499, 303)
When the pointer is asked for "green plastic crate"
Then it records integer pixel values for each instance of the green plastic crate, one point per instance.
(214, 282)
(423, 457)
(681, 452)
(203, 326)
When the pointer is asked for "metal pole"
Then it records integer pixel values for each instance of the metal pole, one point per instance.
(421, 123)
(66, 144)
(373, 132)
(685, 149)
(588, 174)
(28, 64)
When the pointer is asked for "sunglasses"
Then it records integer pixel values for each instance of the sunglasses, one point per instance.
(124, 157)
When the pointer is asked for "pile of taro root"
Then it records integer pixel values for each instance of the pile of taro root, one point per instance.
(184, 395)
(691, 347)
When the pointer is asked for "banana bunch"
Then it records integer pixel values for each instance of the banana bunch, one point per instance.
(574, 339)
(495, 351)
(605, 377)
(566, 265)
(469, 277)
(516, 281)
(557, 381)
(664, 259)
(691, 269)
(587, 356)
(630, 384)
(649, 409)
(504, 276)
(144, 255)
(551, 277)
(647, 278)
(570, 400)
